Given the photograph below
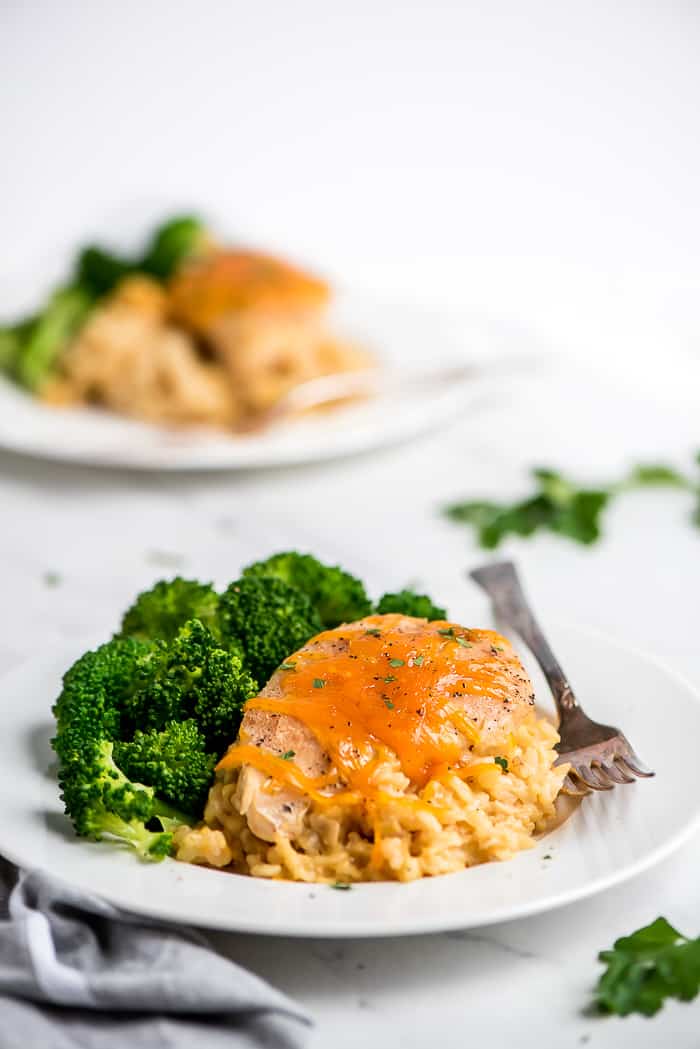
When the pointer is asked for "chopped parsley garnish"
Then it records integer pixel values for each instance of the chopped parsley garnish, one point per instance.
(320, 682)
(389, 678)
(373, 631)
(503, 762)
(418, 661)
(463, 642)
(343, 885)
(559, 505)
(288, 666)
(288, 755)
(389, 703)
(52, 579)
(396, 662)
(644, 969)
(447, 632)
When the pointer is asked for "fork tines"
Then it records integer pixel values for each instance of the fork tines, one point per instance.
(601, 765)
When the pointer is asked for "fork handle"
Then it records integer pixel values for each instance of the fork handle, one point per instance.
(502, 584)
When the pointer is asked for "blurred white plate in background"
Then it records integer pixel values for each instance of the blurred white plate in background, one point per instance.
(404, 336)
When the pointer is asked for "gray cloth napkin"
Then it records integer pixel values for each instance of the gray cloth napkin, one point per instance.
(77, 972)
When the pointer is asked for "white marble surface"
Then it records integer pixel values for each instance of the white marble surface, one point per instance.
(104, 535)
(534, 160)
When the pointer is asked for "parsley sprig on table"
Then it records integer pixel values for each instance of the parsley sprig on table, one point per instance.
(561, 506)
(644, 969)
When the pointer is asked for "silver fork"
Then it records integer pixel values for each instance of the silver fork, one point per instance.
(367, 382)
(370, 382)
(600, 755)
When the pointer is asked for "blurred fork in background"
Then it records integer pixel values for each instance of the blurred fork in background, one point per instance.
(373, 382)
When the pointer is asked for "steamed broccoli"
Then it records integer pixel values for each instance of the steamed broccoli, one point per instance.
(39, 342)
(171, 245)
(269, 618)
(160, 712)
(97, 795)
(94, 688)
(337, 596)
(103, 802)
(30, 349)
(99, 271)
(12, 339)
(159, 613)
(408, 603)
(192, 677)
(175, 762)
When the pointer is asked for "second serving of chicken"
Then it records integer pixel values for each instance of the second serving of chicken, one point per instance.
(191, 333)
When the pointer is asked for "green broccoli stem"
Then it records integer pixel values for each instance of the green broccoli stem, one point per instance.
(165, 812)
(11, 341)
(150, 845)
(35, 358)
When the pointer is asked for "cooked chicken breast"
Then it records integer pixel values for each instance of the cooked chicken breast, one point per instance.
(264, 320)
(229, 281)
(268, 352)
(429, 694)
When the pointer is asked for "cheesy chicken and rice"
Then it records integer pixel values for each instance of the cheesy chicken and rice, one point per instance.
(219, 344)
(388, 748)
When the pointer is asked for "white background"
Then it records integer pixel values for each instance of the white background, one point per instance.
(522, 156)
(537, 162)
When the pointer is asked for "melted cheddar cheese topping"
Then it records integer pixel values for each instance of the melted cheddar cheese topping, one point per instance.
(227, 281)
(395, 688)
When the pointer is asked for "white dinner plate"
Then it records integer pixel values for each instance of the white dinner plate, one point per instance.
(609, 838)
(403, 336)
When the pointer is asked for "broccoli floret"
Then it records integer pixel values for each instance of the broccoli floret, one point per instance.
(33, 347)
(408, 603)
(159, 613)
(13, 339)
(270, 618)
(171, 245)
(95, 686)
(157, 695)
(219, 696)
(174, 762)
(337, 596)
(192, 677)
(99, 271)
(140, 726)
(103, 802)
